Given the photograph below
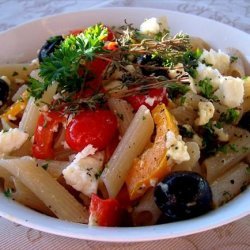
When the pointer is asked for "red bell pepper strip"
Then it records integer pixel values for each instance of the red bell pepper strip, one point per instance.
(107, 213)
(47, 126)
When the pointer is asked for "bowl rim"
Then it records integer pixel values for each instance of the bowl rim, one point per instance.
(212, 219)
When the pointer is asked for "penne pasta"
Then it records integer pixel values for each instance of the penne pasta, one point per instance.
(199, 43)
(48, 190)
(227, 186)
(146, 212)
(217, 165)
(123, 111)
(131, 145)
(237, 68)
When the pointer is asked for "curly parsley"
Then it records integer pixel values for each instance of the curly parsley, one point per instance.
(63, 64)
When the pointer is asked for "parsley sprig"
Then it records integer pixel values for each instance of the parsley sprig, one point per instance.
(63, 64)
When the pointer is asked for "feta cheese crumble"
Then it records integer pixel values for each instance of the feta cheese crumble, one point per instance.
(231, 91)
(206, 112)
(82, 174)
(176, 148)
(153, 26)
(12, 140)
(218, 60)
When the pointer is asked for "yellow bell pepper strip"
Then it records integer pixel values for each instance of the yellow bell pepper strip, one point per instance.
(16, 108)
(153, 164)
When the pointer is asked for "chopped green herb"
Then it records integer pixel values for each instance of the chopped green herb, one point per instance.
(45, 166)
(233, 147)
(14, 73)
(207, 64)
(245, 149)
(24, 68)
(143, 117)
(120, 116)
(8, 192)
(190, 61)
(248, 169)
(233, 59)
(230, 116)
(206, 89)
(175, 89)
(182, 100)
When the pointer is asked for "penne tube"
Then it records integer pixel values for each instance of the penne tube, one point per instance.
(47, 189)
(131, 145)
(54, 168)
(247, 87)
(198, 43)
(123, 111)
(146, 212)
(217, 165)
(237, 68)
(246, 105)
(24, 196)
(227, 186)
(31, 113)
(184, 115)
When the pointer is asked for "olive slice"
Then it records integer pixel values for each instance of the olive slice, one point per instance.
(183, 195)
(245, 121)
(49, 47)
(148, 60)
(4, 92)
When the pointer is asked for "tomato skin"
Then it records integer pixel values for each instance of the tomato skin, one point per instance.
(159, 96)
(91, 127)
(47, 123)
(108, 213)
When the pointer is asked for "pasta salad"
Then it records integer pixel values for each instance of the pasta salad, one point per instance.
(125, 126)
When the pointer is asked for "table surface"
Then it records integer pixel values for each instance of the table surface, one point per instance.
(232, 236)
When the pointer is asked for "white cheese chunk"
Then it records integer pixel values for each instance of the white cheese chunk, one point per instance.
(222, 136)
(176, 148)
(12, 140)
(208, 72)
(231, 91)
(218, 60)
(82, 173)
(153, 25)
(206, 112)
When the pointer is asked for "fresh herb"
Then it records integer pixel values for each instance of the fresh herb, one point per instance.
(120, 116)
(45, 166)
(206, 89)
(63, 64)
(233, 147)
(97, 175)
(14, 73)
(143, 117)
(233, 59)
(182, 100)
(244, 149)
(248, 169)
(190, 61)
(206, 63)
(24, 68)
(230, 116)
(8, 192)
(176, 89)
(184, 132)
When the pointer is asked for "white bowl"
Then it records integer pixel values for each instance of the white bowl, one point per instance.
(20, 45)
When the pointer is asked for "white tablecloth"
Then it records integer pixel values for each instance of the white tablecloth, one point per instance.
(233, 236)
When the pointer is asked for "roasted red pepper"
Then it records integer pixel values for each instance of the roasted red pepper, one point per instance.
(47, 126)
(150, 100)
(107, 213)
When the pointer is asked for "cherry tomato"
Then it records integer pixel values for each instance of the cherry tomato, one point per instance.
(110, 36)
(47, 126)
(107, 213)
(91, 127)
(150, 100)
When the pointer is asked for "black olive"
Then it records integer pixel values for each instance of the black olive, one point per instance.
(245, 121)
(49, 47)
(148, 60)
(4, 91)
(183, 195)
